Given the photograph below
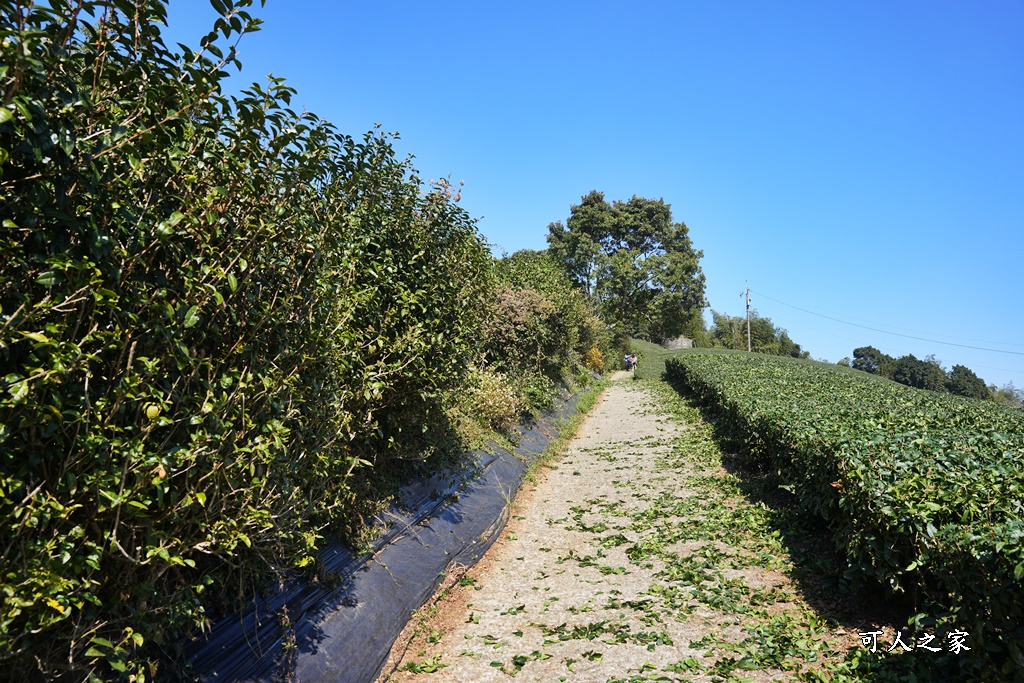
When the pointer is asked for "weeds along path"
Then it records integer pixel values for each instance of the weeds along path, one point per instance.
(634, 558)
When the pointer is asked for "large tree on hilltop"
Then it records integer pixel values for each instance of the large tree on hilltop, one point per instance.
(870, 359)
(923, 374)
(635, 262)
(964, 382)
(578, 246)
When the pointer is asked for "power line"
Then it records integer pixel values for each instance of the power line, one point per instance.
(854, 342)
(789, 324)
(988, 367)
(907, 329)
(883, 349)
(897, 334)
(896, 327)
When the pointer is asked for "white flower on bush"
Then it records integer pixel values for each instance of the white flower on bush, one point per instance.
(493, 399)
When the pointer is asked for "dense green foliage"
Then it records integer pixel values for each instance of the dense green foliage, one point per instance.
(963, 382)
(919, 374)
(214, 314)
(730, 332)
(540, 323)
(537, 337)
(538, 334)
(922, 489)
(870, 359)
(635, 263)
(922, 374)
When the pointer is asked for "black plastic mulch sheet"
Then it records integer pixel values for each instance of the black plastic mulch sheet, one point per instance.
(344, 633)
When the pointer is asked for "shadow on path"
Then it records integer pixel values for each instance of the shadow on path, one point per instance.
(820, 567)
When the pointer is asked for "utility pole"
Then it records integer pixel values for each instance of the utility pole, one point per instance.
(747, 295)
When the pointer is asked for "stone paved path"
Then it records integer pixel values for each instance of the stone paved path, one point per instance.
(630, 560)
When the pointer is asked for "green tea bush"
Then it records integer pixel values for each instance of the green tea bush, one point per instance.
(538, 330)
(539, 323)
(519, 334)
(538, 391)
(214, 313)
(923, 490)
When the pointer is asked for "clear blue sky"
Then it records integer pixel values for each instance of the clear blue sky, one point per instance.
(862, 160)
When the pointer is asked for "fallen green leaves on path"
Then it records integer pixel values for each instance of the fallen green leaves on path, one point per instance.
(638, 557)
(922, 490)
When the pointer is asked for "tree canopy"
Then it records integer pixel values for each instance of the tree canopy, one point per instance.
(964, 382)
(635, 262)
(731, 332)
(870, 359)
(923, 374)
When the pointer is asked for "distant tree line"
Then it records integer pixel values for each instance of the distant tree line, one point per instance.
(928, 373)
(730, 332)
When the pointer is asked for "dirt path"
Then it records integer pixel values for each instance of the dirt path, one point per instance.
(635, 558)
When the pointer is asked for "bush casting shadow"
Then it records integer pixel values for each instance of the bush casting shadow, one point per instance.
(819, 566)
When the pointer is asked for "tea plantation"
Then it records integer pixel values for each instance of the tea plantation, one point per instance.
(923, 491)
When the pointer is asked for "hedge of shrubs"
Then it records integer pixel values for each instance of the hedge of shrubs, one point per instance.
(217, 315)
(923, 490)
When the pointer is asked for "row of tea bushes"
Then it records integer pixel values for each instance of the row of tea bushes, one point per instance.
(214, 313)
(924, 491)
